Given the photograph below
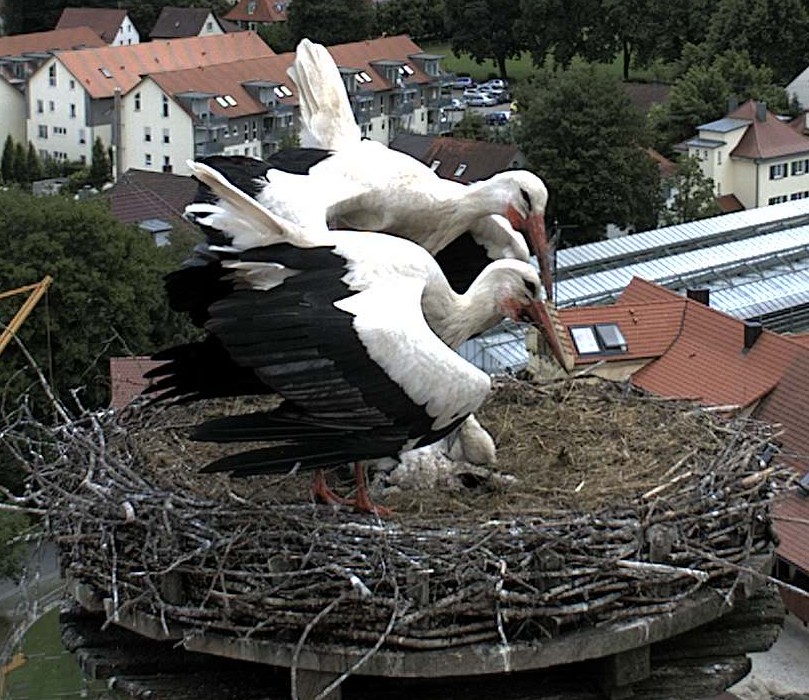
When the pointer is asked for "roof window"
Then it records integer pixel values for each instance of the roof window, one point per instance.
(599, 338)
(363, 77)
(105, 72)
(282, 91)
(406, 70)
(460, 170)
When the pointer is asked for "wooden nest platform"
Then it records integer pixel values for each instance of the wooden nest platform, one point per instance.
(607, 506)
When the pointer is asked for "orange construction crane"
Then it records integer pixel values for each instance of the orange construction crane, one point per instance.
(37, 290)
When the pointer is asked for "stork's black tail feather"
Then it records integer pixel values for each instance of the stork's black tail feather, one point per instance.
(263, 426)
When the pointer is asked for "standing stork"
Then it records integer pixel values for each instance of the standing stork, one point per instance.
(341, 325)
(405, 197)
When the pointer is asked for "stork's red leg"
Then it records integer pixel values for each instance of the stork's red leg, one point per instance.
(363, 502)
(324, 494)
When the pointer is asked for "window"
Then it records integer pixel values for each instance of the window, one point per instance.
(251, 7)
(599, 338)
(799, 167)
(82, 137)
(246, 133)
(51, 106)
(777, 200)
(209, 26)
(166, 164)
(147, 159)
(460, 170)
(799, 195)
(165, 106)
(59, 130)
(719, 157)
(52, 75)
(40, 106)
(435, 165)
(778, 171)
(72, 111)
(105, 72)
(166, 136)
(137, 102)
(43, 131)
(254, 129)
(72, 84)
(147, 133)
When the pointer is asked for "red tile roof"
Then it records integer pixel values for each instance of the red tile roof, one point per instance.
(729, 203)
(770, 138)
(126, 379)
(481, 158)
(141, 194)
(229, 78)
(361, 55)
(175, 22)
(792, 526)
(104, 21)
(649, 328)
(43, 42)
(125, 65)
(264, 11)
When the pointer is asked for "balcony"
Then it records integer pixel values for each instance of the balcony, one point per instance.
(210, 121)
(402, 109)
(208, 148)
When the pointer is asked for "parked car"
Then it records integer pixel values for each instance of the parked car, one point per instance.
(501, 95)
(498, 118)
(474, 98)
(463, 82)
(494, 84)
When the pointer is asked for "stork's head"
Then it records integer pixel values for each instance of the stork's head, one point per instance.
(518, 298)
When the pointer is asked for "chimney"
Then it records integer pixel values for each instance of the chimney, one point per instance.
(752, 330)
(761, 111)
(733, 103)
(703, 296)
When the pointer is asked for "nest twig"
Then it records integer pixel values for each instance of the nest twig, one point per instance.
(621, 506)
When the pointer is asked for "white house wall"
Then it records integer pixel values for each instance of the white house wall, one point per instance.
(799, 88)
(57, 122)
(210, 26)
(127, 34)
(12, 122)
(150, 139)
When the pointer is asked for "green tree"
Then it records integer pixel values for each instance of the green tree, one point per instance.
(33, 164)
(471, 126)
(348, 20)
(20, 166)
(107, 297)
(582, 135)
(100, 165)
(277, 37)
(486, 30)
(7, 167)
(422, 20)
(775, 33)
(694, 196)
(704, 92)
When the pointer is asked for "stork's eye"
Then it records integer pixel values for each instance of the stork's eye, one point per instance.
(532, 289)
(525, 198)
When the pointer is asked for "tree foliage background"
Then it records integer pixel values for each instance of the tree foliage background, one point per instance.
(583, 136)
(330, 22)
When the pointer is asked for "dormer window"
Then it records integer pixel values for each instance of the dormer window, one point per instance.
(599, 338)
(251, 7)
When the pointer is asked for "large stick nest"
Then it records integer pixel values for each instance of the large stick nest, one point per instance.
(605, 504)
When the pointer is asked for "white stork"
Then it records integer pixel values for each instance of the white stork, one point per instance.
(401, 195)
(341, 325)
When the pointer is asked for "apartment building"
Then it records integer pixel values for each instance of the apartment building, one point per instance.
(112, 25)
(20, 56)
(76, 96)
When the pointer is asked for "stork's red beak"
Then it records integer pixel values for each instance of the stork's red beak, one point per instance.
(538, 312)
(534, 227)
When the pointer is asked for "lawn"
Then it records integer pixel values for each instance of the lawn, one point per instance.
(49, 672)
(522, 68)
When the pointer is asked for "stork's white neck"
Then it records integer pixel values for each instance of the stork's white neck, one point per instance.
(457, 317)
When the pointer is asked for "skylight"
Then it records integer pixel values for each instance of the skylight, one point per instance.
(282, 91)
(599, 338)
(230, 100)
(363, 77)
(460, 170)
(406, 70)
(221, 101)
(105, 72)
(435, 165)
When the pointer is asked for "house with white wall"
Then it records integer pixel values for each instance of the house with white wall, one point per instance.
(175, 22)
(77, 96)
(112, 25)
(753, 155)
(20, 56)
